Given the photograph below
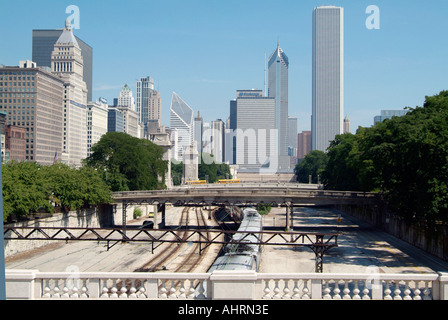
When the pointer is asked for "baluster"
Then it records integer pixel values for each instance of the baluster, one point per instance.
(326, 291)
(84, 290)
(266, 290)
(74, 294)
(427, 292)
(286, 290)
(172, 290)
(296, 290)
(346, 291)
(407, 292)
(387, 292)
(182, 290)
(46, 289)
(276, 291)
(132, 290)
(397, 291)
(336, 291)
(191, 290)
(201, 290)
(56, 289)
(417, 292)
(114, 290)
(123, 291)
(163, 291)
(306, 290)
(356, 291)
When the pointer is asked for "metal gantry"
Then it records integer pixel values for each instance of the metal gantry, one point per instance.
(319, 243)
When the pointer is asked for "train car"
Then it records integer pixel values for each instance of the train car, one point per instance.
(196, 182)
(229, 181)
(235, 262)
(243, 253)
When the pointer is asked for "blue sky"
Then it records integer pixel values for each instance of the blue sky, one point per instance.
(205, 50)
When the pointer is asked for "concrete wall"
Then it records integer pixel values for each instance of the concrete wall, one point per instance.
(87, 218)
(432, 239)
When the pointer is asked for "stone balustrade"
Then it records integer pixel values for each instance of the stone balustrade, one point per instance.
(241, 285)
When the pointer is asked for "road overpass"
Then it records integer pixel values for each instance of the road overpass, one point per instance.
(243, 195)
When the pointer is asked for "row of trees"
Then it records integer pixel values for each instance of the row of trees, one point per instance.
(405, 158)
(118, 162)
(29, 188)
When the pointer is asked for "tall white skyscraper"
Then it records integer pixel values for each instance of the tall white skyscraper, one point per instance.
(67, 62)
(278, 88)
(149, 101)
(126, 99)
(328, 76)
(181, 119)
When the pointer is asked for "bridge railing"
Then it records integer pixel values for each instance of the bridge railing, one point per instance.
(242, 285)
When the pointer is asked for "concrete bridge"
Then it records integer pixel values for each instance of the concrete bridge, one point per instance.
(243, 195)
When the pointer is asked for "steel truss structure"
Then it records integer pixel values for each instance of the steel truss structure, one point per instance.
(319, 243)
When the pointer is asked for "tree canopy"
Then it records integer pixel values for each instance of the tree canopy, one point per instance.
(128, 163)
(29, 187)
(312, 165)
(405, 158)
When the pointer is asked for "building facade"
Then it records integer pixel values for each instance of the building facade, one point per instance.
(126, 98)
(43, 42)
(97, 122)
(67, 63)
(388, 114)
(278, 89)
(304, 144)
(115, 122)
(149, 101)
(198, 132)
(32, 97)
(327, 75)
(181, 119)
(254, 137)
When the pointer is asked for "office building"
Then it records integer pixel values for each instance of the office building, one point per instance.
(32, 97)
(181, 119)
(115, 122)
(388, 114)
(126, 99)
(198, 132)
(253, 138)
(346, 125)
(304, 144)
(149, 101)
(43, 42)
(217, 141)
(97, 122)
(131, 124)
(327, 75)
(67, 63)
(278, 88)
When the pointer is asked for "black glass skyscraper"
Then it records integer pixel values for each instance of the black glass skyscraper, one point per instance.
(43, 45)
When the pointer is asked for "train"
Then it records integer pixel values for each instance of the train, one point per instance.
(229, 181)
(244, 251)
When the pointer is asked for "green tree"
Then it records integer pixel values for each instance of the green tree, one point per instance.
(129, 163)
(209, 169)
(312, 165)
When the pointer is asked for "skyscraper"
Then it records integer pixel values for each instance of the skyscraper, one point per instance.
(126, 99)
(198, 131)
(181, 119)
(67, 63)
(278, 88)
(42, 48)
(328, 76)
(149, 101)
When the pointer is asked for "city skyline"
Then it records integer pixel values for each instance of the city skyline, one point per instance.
(196, 50)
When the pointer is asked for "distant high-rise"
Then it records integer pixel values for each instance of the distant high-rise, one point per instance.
(181, 119)
(126, 99)
(97, 116)
(278, 88)
(304, 144)
(252, 144)
(346, 124)
(198, 131)
(328, 76)
(149, 102)
(42, 48)
(67, 63)
(388, 114)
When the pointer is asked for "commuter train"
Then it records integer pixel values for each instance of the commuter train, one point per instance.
(243, 252)
(229, 181)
